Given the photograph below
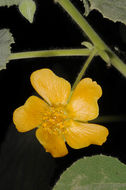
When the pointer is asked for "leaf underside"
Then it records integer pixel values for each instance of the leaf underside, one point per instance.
(26, 7)
(9, 2)
(114, 10)
(6, 40)
(94, 173)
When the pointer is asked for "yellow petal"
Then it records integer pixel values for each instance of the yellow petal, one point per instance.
(80, 135)
(52, 143)
(83, 103)
(53, 89)
(28, 116)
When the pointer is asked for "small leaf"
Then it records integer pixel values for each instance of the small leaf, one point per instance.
(27, 9)
(87, 44)
(87, 7)
(6, 40)
(114, 10)
(94, 173)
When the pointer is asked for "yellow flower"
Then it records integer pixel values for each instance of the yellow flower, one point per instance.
(58, 120)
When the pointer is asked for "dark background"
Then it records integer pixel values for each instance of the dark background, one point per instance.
(23, 161)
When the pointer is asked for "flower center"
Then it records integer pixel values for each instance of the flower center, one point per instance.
(53, 120)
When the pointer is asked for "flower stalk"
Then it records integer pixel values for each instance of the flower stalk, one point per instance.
(84, 68)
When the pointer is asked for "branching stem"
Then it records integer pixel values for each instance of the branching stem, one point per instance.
(92, 35)
(50, 53)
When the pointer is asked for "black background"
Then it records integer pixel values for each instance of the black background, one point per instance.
(23, 161)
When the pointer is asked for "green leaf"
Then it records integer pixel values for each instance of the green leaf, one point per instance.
(9, 2)
(94, 173)
(114, 10)
(27, 9)
(6, 40)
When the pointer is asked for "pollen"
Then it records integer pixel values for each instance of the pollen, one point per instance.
(53, 120)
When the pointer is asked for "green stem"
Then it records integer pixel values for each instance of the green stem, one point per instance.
(50, 53)
(83, 70)
(93, 36)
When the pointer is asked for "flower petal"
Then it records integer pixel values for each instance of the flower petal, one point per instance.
(52, 143)
(80, 135)
(83, 103)
(28, 116)
(53, 89)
